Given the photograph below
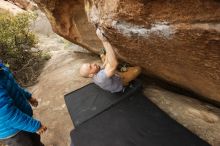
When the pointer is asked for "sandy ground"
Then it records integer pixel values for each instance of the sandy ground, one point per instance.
(60, 76)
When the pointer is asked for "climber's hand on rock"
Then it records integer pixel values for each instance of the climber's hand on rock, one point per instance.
(100, 35)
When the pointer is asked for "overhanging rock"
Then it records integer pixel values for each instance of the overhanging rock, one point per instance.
(177, 41)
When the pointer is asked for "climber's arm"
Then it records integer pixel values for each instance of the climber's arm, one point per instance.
(110, 59)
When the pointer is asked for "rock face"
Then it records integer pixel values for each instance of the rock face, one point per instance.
(177, 41)
(7, 6)
(68, 19)
(24, 4)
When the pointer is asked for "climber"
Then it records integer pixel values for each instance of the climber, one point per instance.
(107, 77)
(17, 126)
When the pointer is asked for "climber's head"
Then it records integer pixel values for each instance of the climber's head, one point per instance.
(89, 70)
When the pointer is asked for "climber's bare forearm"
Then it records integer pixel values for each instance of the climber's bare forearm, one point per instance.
(110, 55)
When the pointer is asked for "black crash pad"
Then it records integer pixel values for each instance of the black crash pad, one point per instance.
(135, 121)
(91, 100)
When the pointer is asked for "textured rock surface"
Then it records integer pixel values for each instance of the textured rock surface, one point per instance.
(177, 41)
(24, 4)
(200, 118)
(7, 6)
(68, 19)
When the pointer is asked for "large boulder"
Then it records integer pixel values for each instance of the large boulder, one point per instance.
(177, 41)
(68, 19)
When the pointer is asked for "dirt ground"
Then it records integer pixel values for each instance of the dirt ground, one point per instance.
(60, 76)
